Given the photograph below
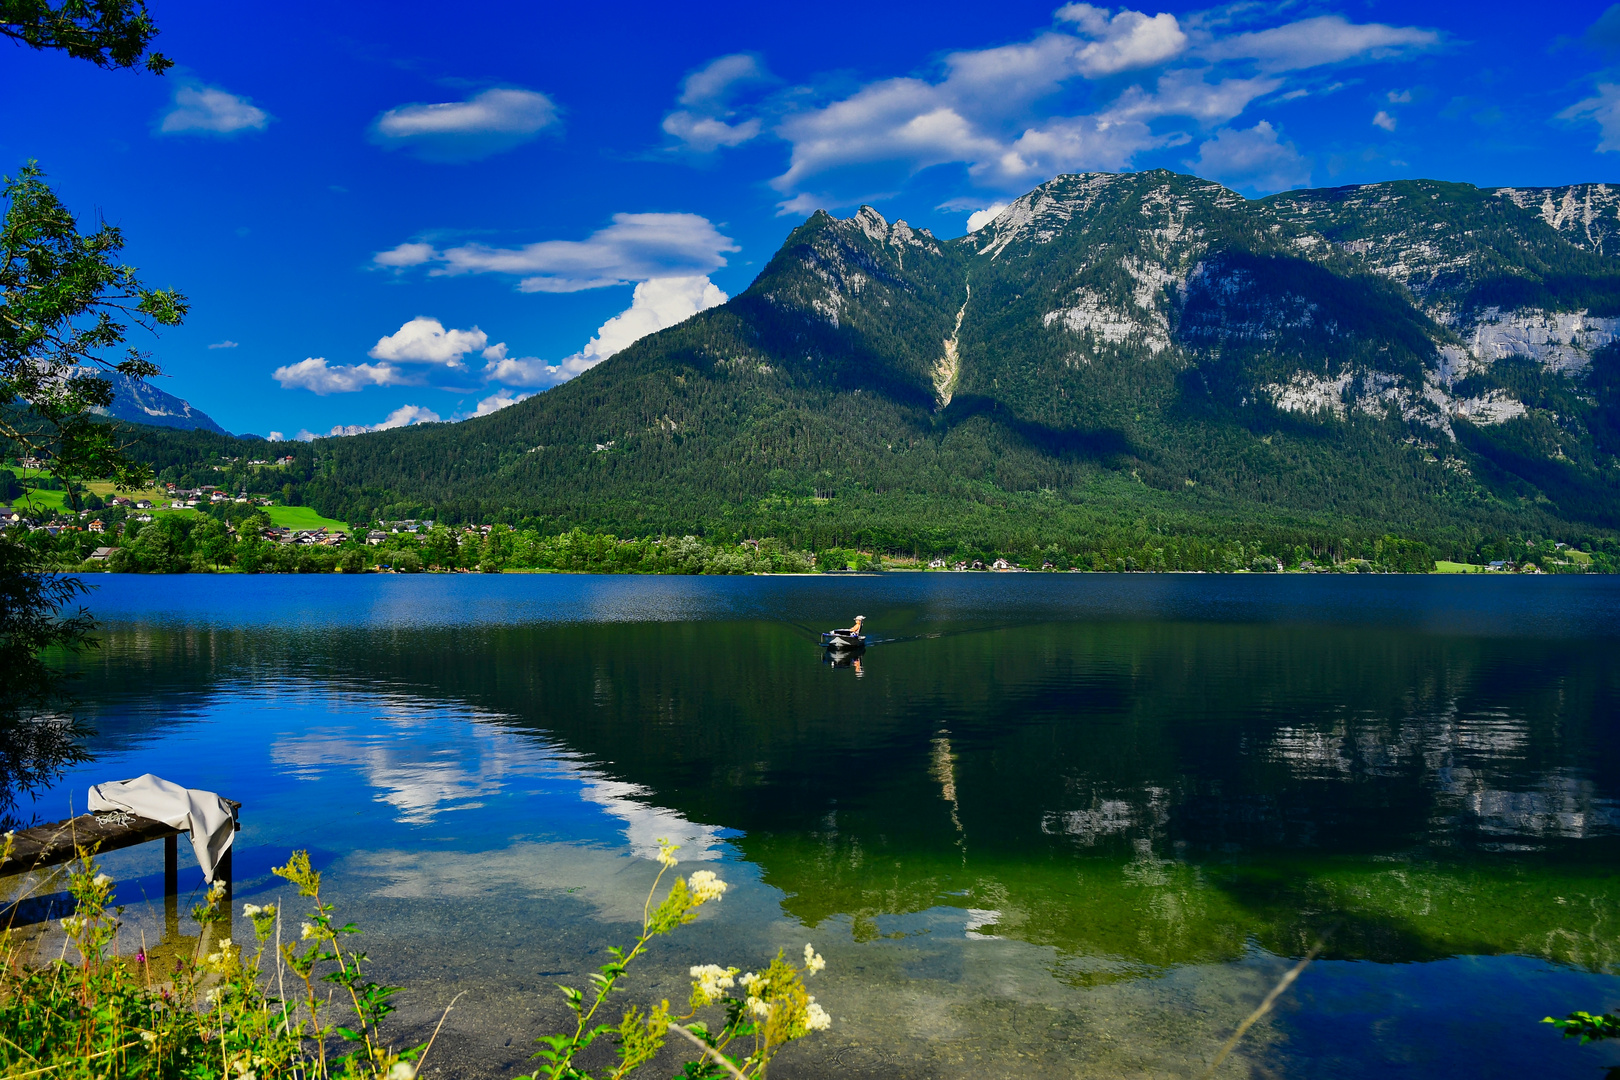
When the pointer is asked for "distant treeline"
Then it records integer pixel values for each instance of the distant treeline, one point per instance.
(234, 539)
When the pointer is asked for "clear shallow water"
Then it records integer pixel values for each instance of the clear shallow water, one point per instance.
(1054, 826)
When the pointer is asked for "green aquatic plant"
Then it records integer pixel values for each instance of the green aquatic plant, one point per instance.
(1588, 1027)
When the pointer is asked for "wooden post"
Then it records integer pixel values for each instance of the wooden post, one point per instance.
(224, 871)
(171, 885)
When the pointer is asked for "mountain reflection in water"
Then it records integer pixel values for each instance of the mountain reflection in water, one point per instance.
(1134, 790)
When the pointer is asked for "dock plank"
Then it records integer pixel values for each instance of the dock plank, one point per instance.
(106, 830)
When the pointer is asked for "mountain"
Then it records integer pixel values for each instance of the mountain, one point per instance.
(136, 401)
(1147, 353)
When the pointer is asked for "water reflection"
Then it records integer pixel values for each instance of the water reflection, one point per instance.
(1155, 793)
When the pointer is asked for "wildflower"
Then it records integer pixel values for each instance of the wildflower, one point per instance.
(149, 1037)
(252, 911)
(308, 932)
(213, 996)
(748, 982)
(711, 982)
(666, 852)
(704, 886)
(758, 1007)
(812, 960)
(815, 1017)
(140, 956)
(101, 881)
(72, 923)
(402, 1070)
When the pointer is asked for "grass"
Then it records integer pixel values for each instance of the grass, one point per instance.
(302, 517)
(1441, 566)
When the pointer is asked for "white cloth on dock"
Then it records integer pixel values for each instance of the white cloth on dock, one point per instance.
(203, 814)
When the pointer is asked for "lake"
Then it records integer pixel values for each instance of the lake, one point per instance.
(1053, 825)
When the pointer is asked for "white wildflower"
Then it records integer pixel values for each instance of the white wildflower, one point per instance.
(252, 911)
(72, 923)
(816, 1018)
(101, 881)
(812, 960)
(213, 996)
(402, 1070)
(224, 946)
(748, 981)
(666, 852)
(704, 886)
(149, 1037)
(308, 932)
(712, 980)
(758, 1007)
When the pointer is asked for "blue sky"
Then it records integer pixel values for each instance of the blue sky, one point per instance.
(400, 212)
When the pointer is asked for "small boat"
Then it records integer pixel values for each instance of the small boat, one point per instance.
(847, 640)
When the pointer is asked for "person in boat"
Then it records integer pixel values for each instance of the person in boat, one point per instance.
(853, 631)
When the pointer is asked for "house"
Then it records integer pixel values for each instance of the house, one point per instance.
(937, 564)
(375, 537)
(101, 554)
(96, 526)
(1001, 564)
(285, 461)
(143, 504)
(119, 500)
(142, 518)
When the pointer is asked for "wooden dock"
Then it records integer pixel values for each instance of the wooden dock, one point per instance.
(108, 830)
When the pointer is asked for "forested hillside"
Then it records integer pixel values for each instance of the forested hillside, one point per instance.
(1143, 357)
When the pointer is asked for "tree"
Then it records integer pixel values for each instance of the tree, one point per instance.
(109, 33)
(65, 302)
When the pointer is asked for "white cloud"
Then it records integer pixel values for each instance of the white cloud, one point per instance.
(404, 255)
(276, 436)
(498, 401)
(1326, 39)
(208, 110)
(226, 344)
(705, 121)
(1384, 120)
(1185, 92)
(657, 304)
(706, 133)
(803, 203)
(906, 120)
(1399, 97)
(315, 375)
(487, 123)
(426, 341)
(404, 416)
(980, 218)
(1604, 109)
(1256, 159)
(714, 83)
(1070, 144)
(1128, 40)
(983, 113)
(636, 247)
(1007, 113)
